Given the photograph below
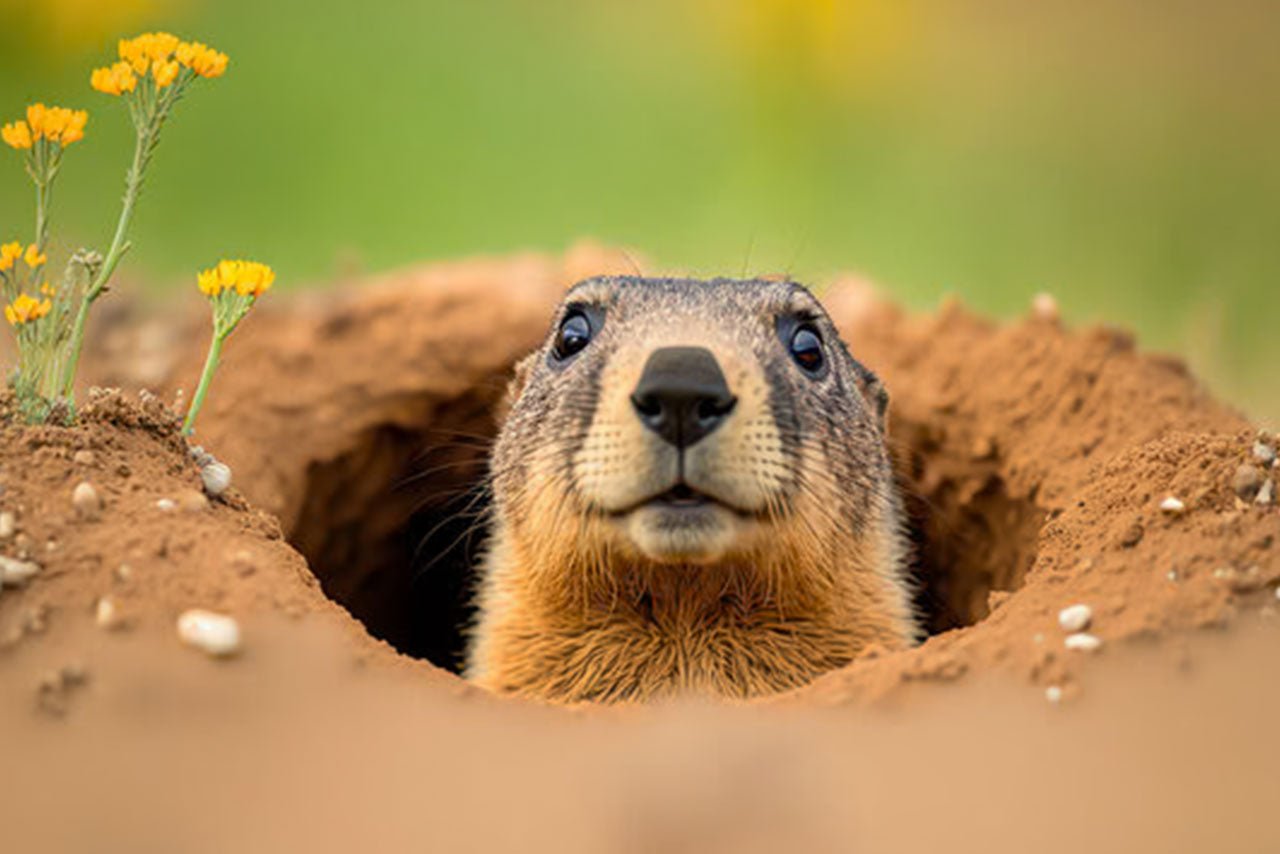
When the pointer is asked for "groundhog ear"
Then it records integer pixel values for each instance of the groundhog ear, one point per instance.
(874, 393)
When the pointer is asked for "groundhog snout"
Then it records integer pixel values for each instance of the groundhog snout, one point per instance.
(682, 395)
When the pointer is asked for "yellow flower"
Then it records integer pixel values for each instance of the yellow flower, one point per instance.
(134, 52)
(144, 51)
(135, 55)
(33, 256)
(160, 46)
(24, 309)
(74, 130)
(246, 278)
(208, 283)
(9, 253)
(165, 73)
(48, 290)
(17, 134)
(56, 124)
(202, 59)
(35, 120)
(114, 79)
(255, 279)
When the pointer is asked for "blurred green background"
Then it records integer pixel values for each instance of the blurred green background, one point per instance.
(1122, 155)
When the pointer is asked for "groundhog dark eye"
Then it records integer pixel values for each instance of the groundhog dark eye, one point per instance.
(806, 348)
(574, 335)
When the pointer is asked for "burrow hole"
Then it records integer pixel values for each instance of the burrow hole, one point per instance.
(394, 526)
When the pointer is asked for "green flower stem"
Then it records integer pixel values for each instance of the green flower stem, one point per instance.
(43, 192)
(119, 246)
(206, 377)
(43, 169)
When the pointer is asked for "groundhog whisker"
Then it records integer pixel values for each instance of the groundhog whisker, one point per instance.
(449, 466)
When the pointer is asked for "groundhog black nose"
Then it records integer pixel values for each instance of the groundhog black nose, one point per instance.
(682, 394)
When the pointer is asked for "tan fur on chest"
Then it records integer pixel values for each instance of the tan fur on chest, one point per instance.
(564, 633)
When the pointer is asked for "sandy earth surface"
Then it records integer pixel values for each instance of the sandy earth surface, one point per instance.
(1036, 461)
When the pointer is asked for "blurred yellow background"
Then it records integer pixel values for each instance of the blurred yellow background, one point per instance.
(1122, 155)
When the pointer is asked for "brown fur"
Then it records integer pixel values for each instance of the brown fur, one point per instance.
(575, 603)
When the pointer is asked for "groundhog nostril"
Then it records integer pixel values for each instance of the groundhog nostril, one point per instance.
(647, 405)
(712, 409)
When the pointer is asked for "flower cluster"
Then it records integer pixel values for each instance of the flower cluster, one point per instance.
(24, 309)
(162, 56)
(152, 74)
(11, 252)
(246, 278)
(232, 287)
(56, 124)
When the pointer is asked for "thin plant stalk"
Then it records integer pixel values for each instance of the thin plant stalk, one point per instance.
(206, 378)
(119, 246)
(44, 195)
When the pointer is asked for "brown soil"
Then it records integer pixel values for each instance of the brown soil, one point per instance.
(356, 422)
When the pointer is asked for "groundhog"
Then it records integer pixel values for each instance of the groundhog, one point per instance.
(691, 495)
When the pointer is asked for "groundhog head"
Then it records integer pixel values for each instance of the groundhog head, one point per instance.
(677, 422)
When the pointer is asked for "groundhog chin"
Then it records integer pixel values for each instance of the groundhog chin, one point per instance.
(700, 534)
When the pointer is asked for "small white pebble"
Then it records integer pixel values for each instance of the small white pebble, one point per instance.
(83, 458)
(16, 573)
(214, 634)
(166, 504)
(1075, 618)
(124, 572)
(1264, 453)
(1083, 642)
(1053, 694)
(193, 501)
(1267, 493)
(8, 525)
(107, 613)
(1172, 575)
(1045, 307)
(86, 500)
(1278, 592)
(1172, 506)
(216, 477)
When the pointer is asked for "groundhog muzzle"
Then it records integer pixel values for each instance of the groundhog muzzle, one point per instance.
(691, 495)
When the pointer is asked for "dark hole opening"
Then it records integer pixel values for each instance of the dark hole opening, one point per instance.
(393, 527)
(971, 537)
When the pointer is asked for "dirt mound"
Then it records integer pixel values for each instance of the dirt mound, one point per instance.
(1034, 459)
(1037, 462)
(110, 520)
